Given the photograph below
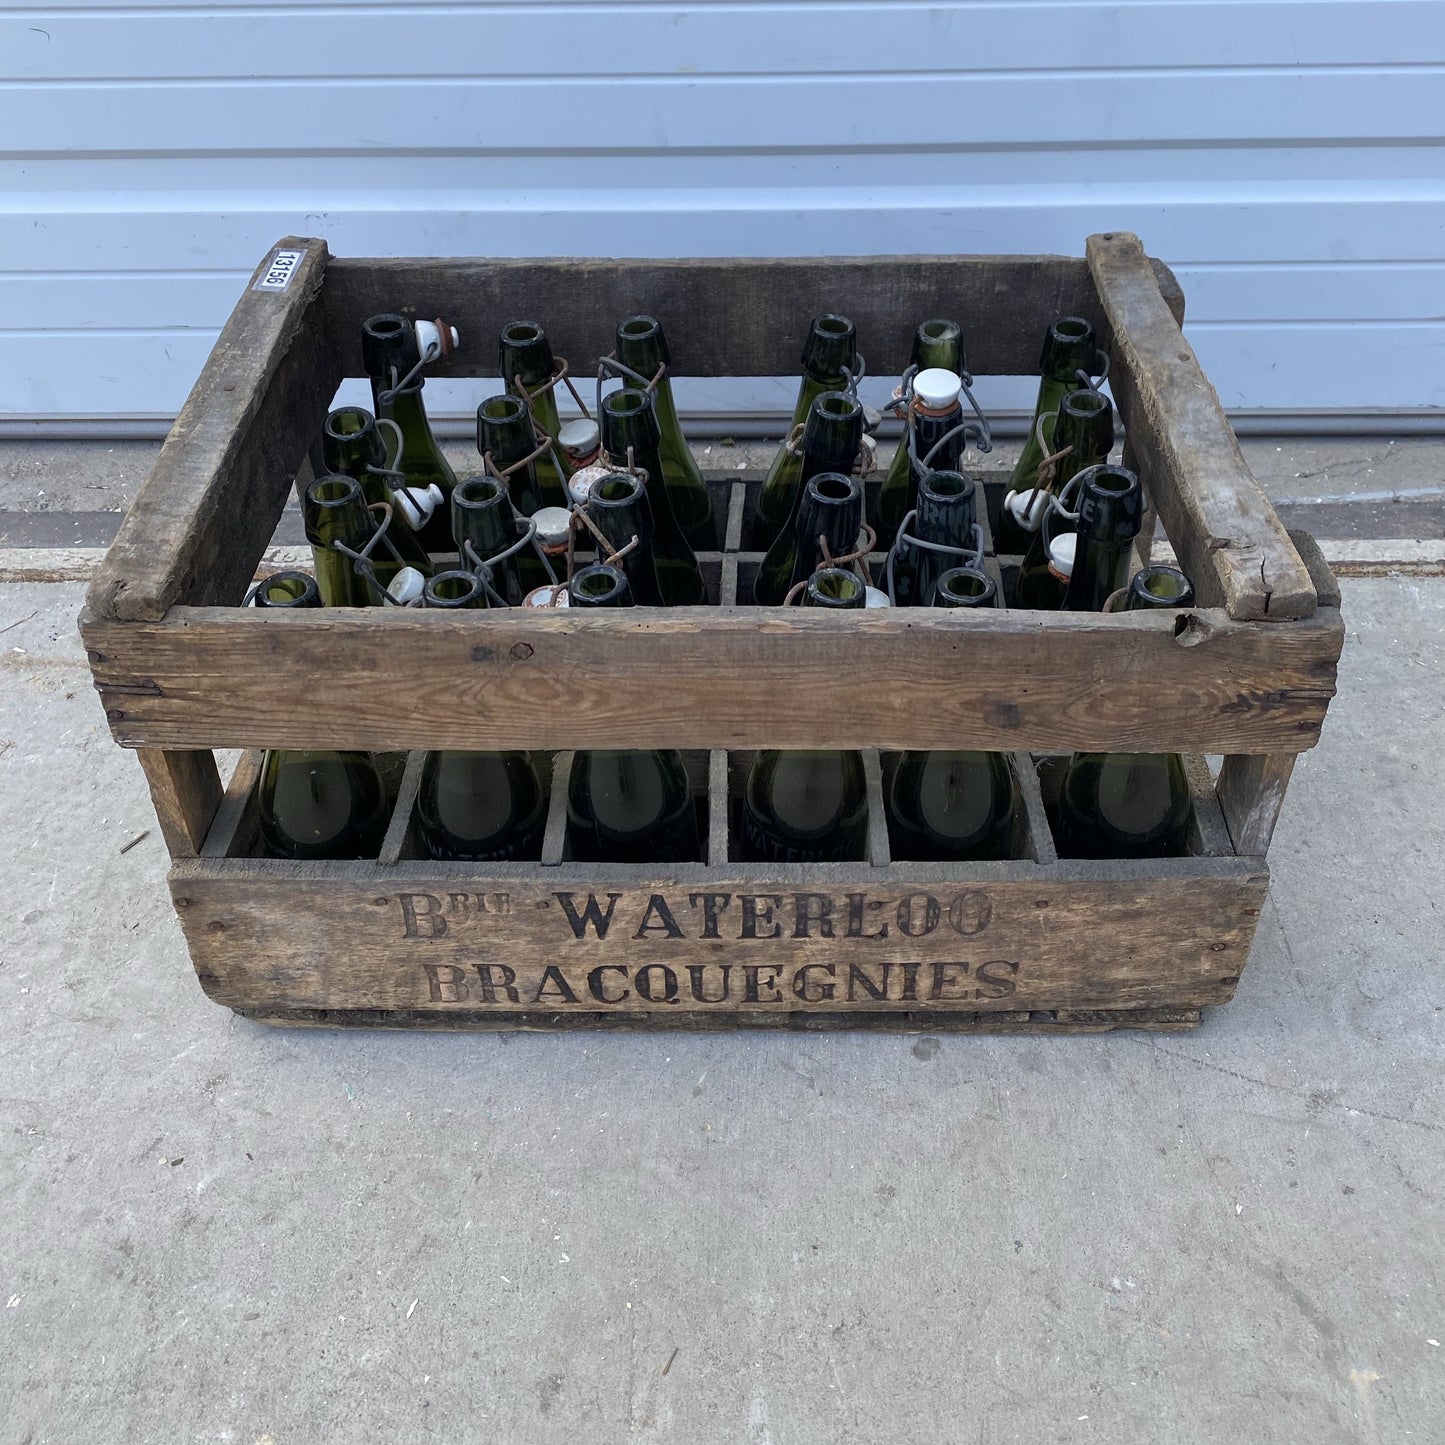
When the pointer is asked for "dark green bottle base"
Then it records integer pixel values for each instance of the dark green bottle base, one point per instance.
(1158, 797)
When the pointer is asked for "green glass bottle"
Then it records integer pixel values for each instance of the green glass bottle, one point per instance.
(526, 361)
(389, 351)
(937, 344)
(1129, 805)
(351, 445)
(834, 587)
(935, 442)
(1111, 508)
(805, 807)
(1085, 430)
(333, 510)
(832, 509)
(504, 428)
(454, 591)
(1043, 580)
(830, 356)
(482, 516)
(634, 806)
(946, 514)
(599, 585)
(953, 805)
(642, 346)
(618, 505)
(316, 804)
(830, 442)
(476, 807)
(629, 423)
(809, 806)
(1068, 350)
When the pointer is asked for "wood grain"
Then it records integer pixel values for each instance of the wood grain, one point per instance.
(734, 316)
(709, 678)
(1007, 936)
(206, 511)
(1251, 793)
(186, 791)
(1219, 520)
(914, 1021)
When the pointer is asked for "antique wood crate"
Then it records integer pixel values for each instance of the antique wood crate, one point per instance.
(1038, 943)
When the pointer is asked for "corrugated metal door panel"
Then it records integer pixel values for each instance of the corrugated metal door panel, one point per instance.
(1284, 157)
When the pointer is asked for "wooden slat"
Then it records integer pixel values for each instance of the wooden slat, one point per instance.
(735, 316)
(235, 823)
(1251, 793)
(914, 1021)
(718, 808)
(186, 791)
(1006, 936)
(208, 508)
(1221, 524)
(374, 679)
(396, 829)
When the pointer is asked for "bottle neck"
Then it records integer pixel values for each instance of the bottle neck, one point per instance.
(408, 412)
(835, 519)
(487, 525)
(946, 518)
(944, 352)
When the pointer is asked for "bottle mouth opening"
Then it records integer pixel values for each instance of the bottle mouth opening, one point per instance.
(1161, 583)
(477, 492)
(285, 588)
(521, 333)
(597, 583)
(502, 408)
(835, 327)
(348, 421)
(1072, 328)
(1114, 483)
(384, 328)
(1086, 403)
(836, 585)
(946, 485)
(939, 330)
(616, 488)
(333, 491)
(833, 487)
(838, 404)
(638, 328)
(452, 587)
(629, 401)
(964, 584)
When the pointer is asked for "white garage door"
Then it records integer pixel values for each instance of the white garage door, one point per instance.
(1284, 157)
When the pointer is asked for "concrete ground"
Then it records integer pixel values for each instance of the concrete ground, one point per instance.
(220, 1232)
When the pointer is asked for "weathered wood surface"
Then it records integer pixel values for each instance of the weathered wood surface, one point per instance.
(186, 791)
(734, 316)
(699, 677)
(208, 508)
(915, 1021)
(1218, 518)
(1165, 934)
(1251, 792)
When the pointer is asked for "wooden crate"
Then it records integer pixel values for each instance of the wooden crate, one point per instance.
(1035, 944)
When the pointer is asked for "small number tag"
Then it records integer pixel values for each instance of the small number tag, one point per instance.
(278, 274)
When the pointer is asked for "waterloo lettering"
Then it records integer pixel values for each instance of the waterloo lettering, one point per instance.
(744, 917)
(634, 927)
(756, 984)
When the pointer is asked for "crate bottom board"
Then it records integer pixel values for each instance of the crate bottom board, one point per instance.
(942, 1021)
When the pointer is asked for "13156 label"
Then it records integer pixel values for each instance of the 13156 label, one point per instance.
(277, 275)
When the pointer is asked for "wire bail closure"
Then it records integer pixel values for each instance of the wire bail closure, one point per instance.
(968, 556)
(855, 561)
